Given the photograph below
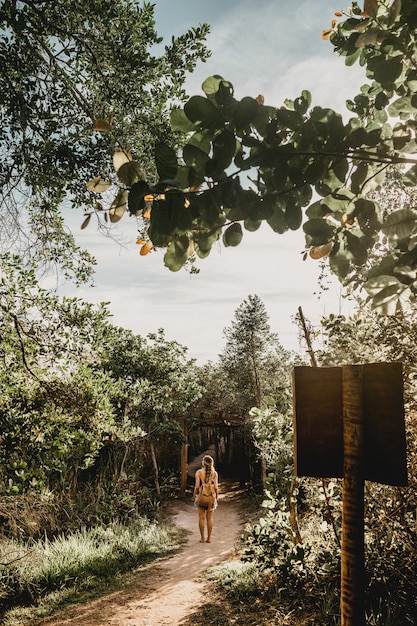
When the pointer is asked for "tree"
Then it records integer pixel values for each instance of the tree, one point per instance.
(306, 163)
(253, 360)
(252, 365)
(77, 79)
(160, 385)
(55, 409)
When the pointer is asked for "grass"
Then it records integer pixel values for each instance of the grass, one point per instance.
(52, 573)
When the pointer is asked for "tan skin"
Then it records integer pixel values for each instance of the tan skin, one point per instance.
(205, 515)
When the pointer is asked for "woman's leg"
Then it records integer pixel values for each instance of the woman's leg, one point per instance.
(209, 523)
(201, 520)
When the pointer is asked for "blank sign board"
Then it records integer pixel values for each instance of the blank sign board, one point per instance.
(318, 422)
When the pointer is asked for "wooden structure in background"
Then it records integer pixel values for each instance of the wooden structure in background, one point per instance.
(349, 422)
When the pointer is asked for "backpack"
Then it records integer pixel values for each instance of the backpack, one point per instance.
(206, 497)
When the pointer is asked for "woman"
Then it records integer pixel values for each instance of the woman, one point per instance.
(206, 474)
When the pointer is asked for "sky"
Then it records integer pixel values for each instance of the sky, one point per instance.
(268, 47)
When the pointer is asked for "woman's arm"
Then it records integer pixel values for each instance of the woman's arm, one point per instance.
(197, 483)
(216, 484)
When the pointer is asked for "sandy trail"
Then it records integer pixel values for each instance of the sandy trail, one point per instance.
(170, 592)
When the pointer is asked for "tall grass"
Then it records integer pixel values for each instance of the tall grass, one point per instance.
(29, 571)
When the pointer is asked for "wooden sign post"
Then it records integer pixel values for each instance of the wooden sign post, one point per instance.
(349, 423)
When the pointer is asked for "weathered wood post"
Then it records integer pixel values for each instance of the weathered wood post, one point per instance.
(349, 423)
(353, 550)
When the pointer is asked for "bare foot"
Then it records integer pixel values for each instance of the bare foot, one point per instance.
(201, 540)
(208, 541)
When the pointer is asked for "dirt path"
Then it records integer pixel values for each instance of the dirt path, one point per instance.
(170, 592)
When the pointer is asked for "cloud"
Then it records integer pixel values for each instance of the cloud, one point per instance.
(267, 47)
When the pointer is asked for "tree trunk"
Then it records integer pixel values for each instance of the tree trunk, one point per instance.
(184, 458)
(155, 468)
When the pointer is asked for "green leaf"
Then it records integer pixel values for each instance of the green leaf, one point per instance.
(136, 200)
(174, 258)
(202, 139)
(277, 221)
(385, 70)
(302, 103)
(401, 105)
(389, 294)
(166, 161)
(211, 85)
(180, 122)
(357, 246)
(289, 119)
(245, 112)
(224, 148)
(252, 225)
(318, 232)
(232, 236)
(400, 224)
(293, 215)
(317, 209)
(194, 157)
(201, 111)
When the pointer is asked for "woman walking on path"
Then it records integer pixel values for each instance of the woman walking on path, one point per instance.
(206, 475)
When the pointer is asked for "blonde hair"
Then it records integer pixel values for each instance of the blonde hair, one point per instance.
(208, 463)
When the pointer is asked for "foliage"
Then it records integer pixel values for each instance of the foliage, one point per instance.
(160, 382)
(304, 161)
(272, 431)
(78, 78)
(253, 364)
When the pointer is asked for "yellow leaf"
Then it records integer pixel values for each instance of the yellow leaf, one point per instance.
(325, 34)
(146, 248)
(97, 185)
(260, 99)
(140, 241)
(120, 157)
(118, 206)
(130, 172)
(102, 126)
(318, 252)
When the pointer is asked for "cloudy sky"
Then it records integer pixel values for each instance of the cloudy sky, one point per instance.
(267, 47)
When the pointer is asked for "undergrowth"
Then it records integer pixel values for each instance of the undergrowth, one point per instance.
(80, 561)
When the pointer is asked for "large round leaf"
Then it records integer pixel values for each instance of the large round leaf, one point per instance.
(97, 185)
(400, 224)
(224, 148)
(232, 236)
(136, 201)
(211, 85)
(179, 121)
(194, 157)
(118, 206)
(166, 161)
(389, 294)
(129, 173)
(318, 231)
(293, 215)
(245, 112)
(175, 258)
(120, 157)
(201, 111)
